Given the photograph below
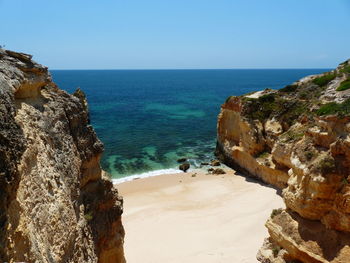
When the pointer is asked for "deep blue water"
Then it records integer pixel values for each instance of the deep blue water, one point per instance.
(148, 119)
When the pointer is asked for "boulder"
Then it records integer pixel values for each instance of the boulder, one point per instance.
(215, 163)
(184, 167)
(219, 171)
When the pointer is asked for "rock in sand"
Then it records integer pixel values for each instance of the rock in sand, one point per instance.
(184, 167)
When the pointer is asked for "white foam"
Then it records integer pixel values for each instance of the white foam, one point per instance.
(144, 175)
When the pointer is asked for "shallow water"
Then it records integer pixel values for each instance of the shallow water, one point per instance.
(147, 119)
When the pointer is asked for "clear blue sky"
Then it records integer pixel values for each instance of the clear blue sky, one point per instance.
(129, 34)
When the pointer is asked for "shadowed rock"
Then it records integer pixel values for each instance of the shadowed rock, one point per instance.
(182, 160)
(184, 167)
(218, 171)
(215, 163)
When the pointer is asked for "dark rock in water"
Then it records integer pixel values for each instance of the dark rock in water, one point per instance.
(184, 167)
(182, 160)
(204, 163)
(219, 171)
(215, 163)
(210, 169)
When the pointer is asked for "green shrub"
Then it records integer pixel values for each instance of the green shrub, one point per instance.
(267, 98)
(304, 95)
(293, 135)
(289, 88)
(294, 111)
(346, 69)
(326, 165)
(344, 85)
(329, 108)
(229, 98)
(273, 105)
(262, 107)
(263, 155)
(335, 108)
(324, 79)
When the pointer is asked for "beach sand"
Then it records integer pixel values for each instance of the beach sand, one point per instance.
(205, 218)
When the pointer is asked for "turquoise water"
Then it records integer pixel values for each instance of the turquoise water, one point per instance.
(147, 119)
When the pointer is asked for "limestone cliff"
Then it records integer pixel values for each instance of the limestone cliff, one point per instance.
(297, 139)
(56, 204)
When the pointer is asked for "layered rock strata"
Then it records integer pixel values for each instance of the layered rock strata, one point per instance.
(298, 140)
(56, 204)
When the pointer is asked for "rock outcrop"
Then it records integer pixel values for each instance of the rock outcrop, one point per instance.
(56, 204)
(297, 139)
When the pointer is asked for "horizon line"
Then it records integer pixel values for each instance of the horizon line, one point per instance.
(58, 69)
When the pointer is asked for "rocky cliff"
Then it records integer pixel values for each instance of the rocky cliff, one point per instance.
(297, 139)
(56, 204)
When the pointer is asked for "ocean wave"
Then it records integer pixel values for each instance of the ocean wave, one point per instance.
(144, 175)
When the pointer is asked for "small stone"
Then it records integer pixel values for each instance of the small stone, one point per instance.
(194, 175)
(182, 160)
(219, 171)
(210, 169)
(204, 163)
(184, 167)
(215, 163)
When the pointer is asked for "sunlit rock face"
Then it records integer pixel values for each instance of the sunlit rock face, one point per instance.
(297, 139)
(56, 204)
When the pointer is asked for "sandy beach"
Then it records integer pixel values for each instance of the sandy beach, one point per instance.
(195, 217)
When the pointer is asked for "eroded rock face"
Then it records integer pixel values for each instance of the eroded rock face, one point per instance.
(297, 139)
(305, 240)
(56, 204)
(242, 144)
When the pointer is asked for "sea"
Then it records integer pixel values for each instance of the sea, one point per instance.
(148, 119)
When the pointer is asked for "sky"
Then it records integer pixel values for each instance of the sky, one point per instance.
(178, 34)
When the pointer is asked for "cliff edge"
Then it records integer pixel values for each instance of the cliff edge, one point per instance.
(56, 204)
(298, 140)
